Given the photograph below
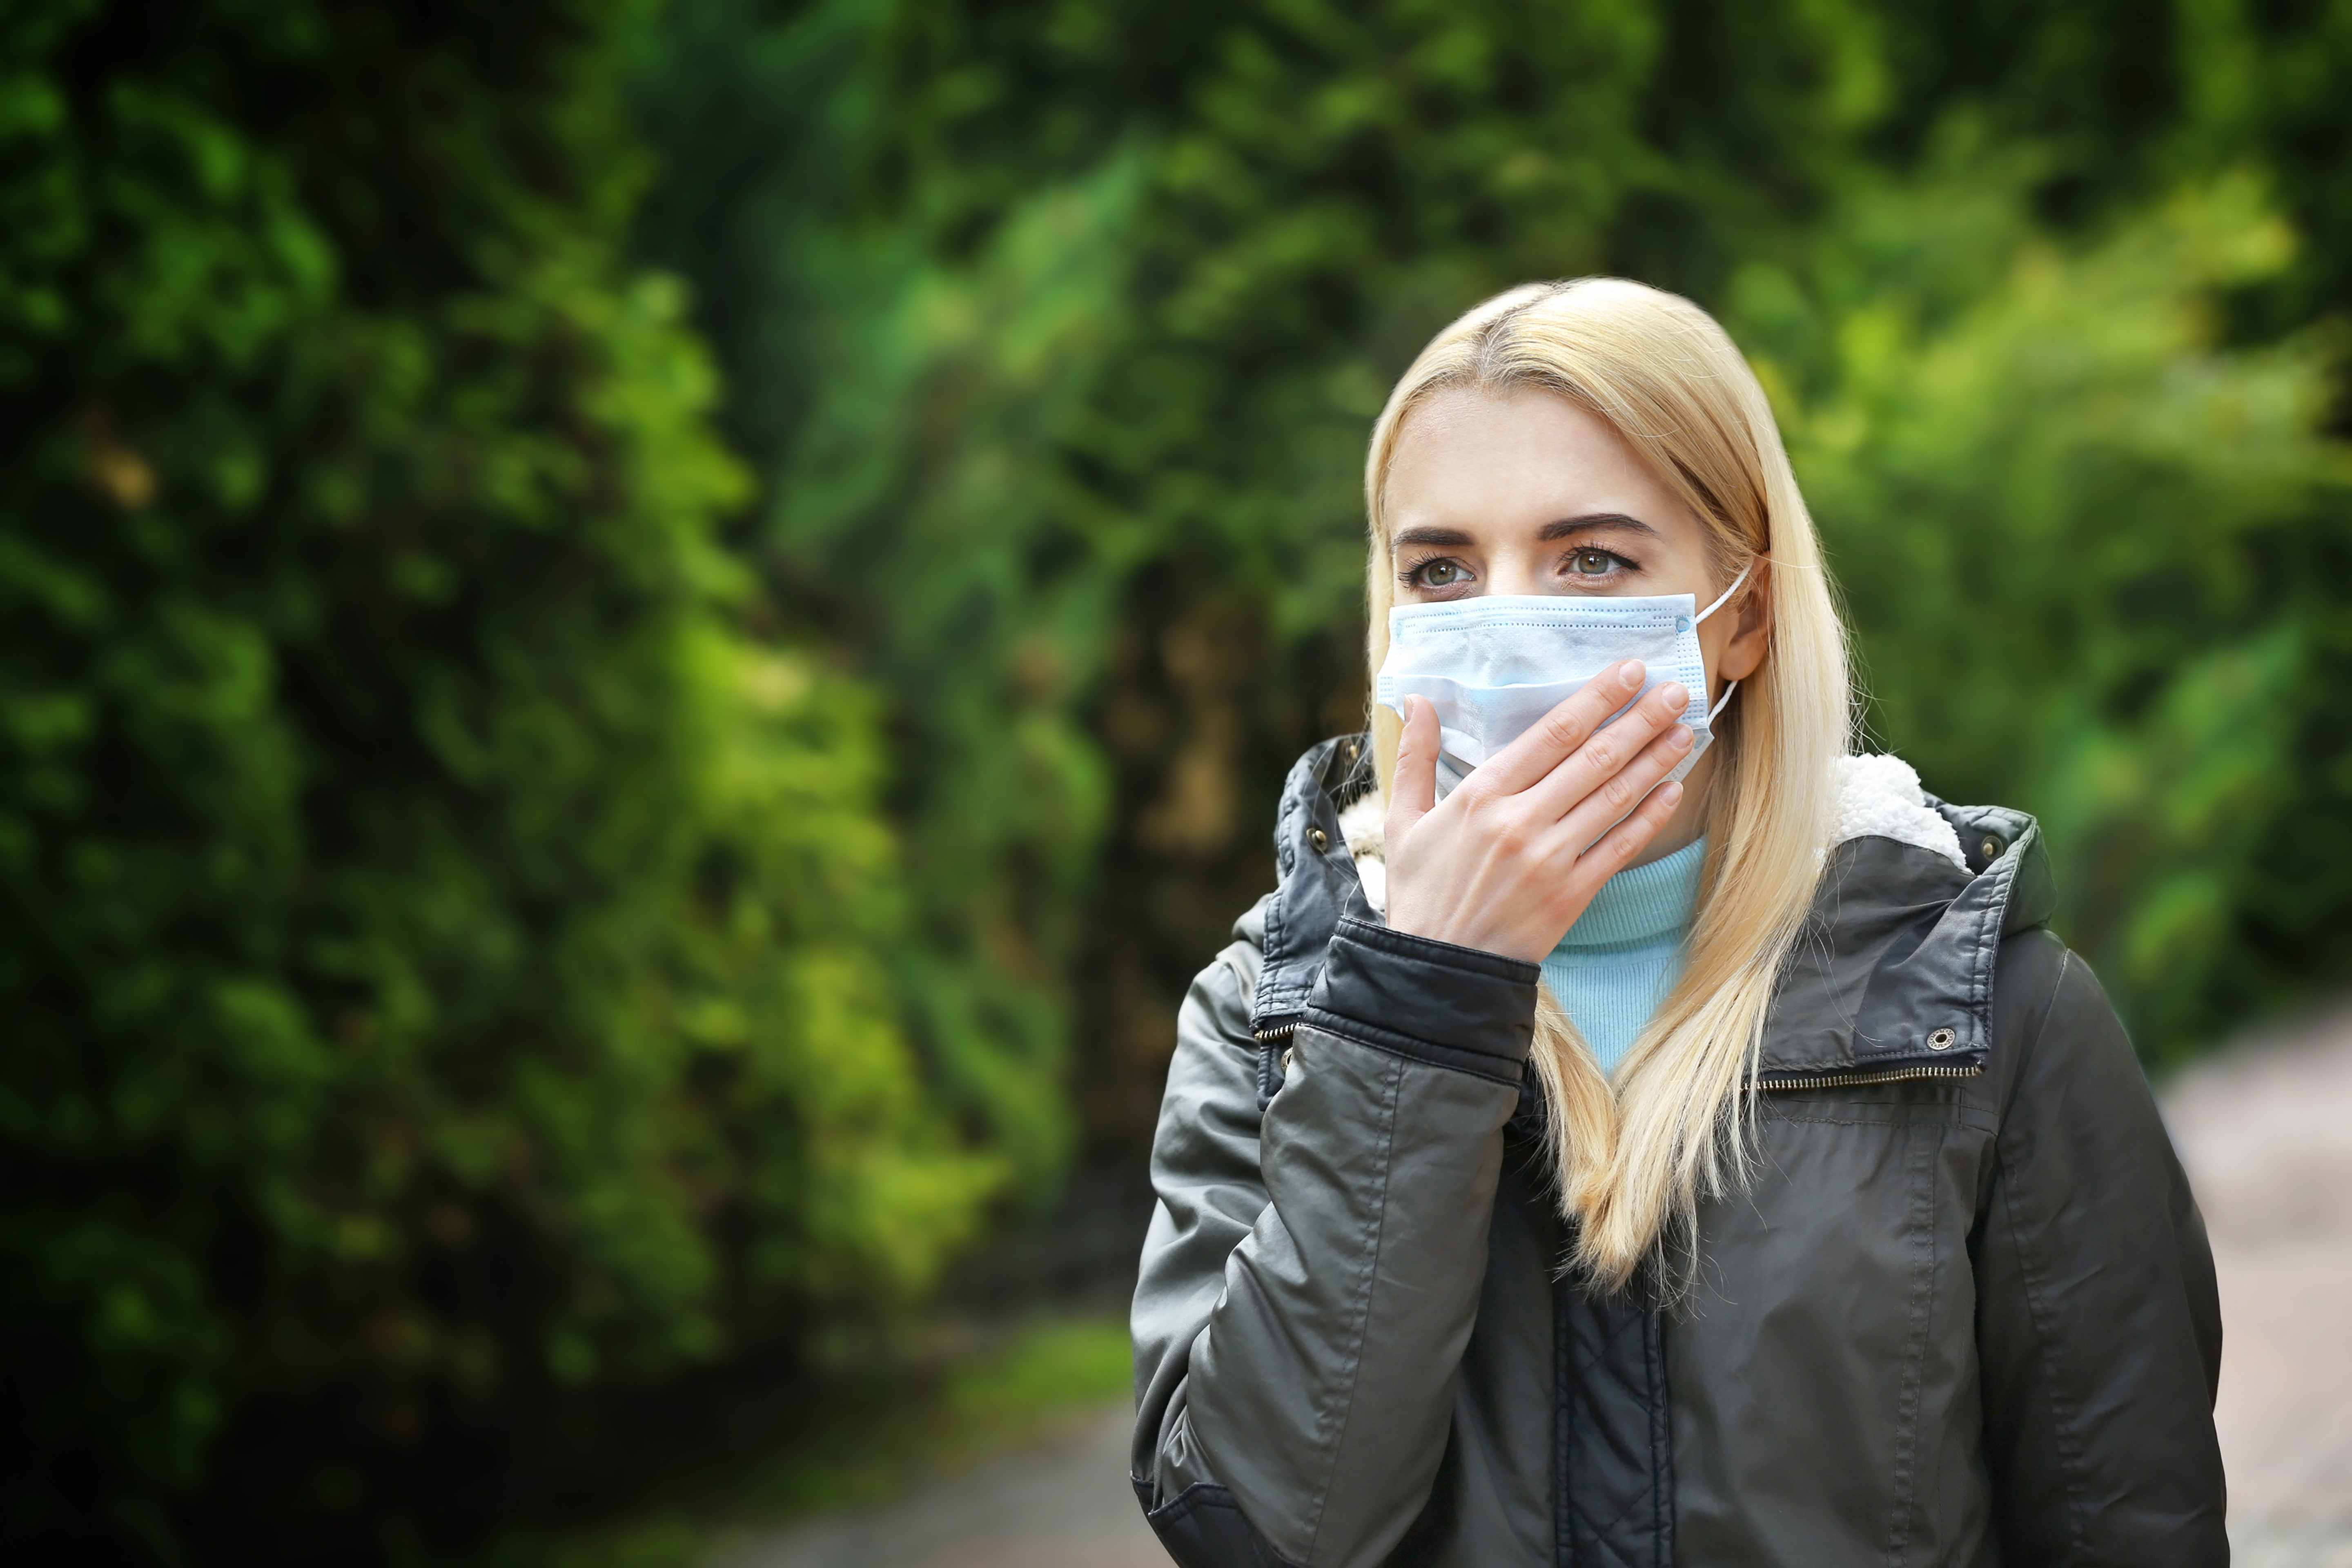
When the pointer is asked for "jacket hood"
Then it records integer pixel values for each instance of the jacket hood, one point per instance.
(1892, 976)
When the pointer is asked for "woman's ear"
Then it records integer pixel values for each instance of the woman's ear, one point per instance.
(1752, 633)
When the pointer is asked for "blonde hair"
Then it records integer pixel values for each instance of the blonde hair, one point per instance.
(1634, 1160)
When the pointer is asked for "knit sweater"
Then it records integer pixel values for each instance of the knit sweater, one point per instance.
(1616, 962)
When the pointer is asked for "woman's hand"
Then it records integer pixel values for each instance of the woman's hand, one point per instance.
(1509, 859)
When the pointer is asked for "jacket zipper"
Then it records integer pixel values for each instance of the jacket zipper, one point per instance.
(1276, 1033)
(1866, 1080)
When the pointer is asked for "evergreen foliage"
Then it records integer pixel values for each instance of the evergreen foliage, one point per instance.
(1091, 308)
(2096, 558)
(444, 947)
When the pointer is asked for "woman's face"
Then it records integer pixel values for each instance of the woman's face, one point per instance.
(1529, 493)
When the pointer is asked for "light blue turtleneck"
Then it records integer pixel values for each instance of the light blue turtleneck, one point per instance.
(1614, 965)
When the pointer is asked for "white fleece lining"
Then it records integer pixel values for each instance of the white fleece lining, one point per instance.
(1361, 826)
(1878, 796)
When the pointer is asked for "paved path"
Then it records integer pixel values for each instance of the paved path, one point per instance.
(2266, 1133)
(1063, 1504)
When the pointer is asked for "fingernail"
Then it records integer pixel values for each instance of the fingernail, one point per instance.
(1682, 736)
(1671, 696)
(1670, 793)
(1630, 673)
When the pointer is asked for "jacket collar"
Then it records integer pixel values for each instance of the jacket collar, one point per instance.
(1892, 977)
(1318, 881)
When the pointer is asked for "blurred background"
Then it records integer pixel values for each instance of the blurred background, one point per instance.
(642, 644)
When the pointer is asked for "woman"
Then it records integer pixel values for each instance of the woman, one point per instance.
(1662, 1138)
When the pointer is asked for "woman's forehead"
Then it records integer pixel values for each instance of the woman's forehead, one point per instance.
(1474, 461)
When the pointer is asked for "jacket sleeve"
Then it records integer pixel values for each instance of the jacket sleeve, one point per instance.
(1311, 1278)
(2099, 1324)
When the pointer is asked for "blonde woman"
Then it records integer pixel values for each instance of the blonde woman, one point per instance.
(1637, 1131)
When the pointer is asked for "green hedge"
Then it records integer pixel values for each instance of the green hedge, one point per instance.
(2096, 557)
(1059, 329)
(1055, 332)
(444, 941)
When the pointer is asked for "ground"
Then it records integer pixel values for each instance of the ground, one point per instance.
(2266, 1133)
(1062, 1504)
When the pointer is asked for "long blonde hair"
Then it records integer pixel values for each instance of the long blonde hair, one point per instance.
(1634, 1160)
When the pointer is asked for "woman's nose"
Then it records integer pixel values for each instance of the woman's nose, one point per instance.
(1519, 576)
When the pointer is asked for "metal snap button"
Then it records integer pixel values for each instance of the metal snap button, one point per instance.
(1941, 1040)
(1320, 839)
(1990, 849)
(1285, 1062)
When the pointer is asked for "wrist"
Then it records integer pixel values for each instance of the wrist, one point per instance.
(1425, 997)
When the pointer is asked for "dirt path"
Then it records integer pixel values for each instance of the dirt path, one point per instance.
(2266, 1133)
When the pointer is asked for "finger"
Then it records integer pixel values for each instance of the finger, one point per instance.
(1558, 735)
(1617, 847)
(1588, 770)
(1614, 798)
(1412, 793)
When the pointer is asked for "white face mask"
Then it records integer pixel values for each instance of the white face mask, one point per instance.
(1493, 667)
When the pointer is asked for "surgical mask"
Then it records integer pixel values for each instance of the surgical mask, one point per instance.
(1493, 667)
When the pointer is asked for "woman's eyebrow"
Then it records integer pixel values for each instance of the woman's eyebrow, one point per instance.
(1567, 525)
(1445, 538)
(1455, 538)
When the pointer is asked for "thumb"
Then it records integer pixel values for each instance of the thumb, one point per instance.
(1412, 793)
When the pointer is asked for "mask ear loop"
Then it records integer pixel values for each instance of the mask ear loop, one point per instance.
(1726, 594)
(1730, 686)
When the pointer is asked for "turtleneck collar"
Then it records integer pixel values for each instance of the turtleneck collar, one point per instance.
(1643, 903)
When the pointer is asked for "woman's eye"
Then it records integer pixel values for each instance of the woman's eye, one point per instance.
(1440, 574)
(1592, 562)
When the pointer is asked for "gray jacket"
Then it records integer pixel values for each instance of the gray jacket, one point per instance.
(1965, 1314)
